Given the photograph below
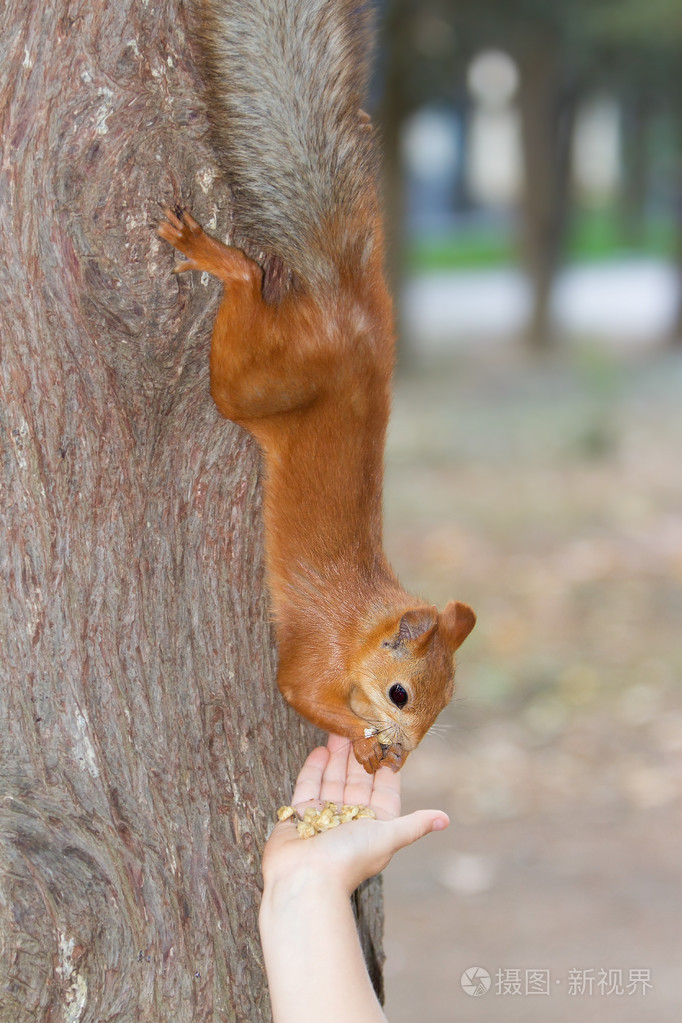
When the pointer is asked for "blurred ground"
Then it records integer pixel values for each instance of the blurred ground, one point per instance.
(549, 496)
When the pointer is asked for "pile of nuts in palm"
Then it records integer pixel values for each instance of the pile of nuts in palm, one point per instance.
(330, 816)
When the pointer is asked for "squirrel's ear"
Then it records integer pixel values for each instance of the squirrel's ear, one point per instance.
(416, 627)
(455, 623)
(418, 624)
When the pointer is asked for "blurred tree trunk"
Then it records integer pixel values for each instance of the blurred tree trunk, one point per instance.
(462, 200)
(391, 116)
(393, 180)
(675, 338)
(547, 117)
(636, 117)
(402, 91)
(143, 744)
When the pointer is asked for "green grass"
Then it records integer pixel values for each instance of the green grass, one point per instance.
(600, 234)
(469, 248)
(594, 235)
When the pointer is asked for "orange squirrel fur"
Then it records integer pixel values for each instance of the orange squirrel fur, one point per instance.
(302, 358)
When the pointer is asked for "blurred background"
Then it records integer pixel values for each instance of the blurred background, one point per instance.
(533, 181)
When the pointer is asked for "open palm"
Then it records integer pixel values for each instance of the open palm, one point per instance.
(354, 851)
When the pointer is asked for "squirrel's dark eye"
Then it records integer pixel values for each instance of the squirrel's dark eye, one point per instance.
(398, 695)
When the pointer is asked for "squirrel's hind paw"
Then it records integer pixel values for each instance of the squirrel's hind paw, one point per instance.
(183, 232)
(179, 228)
(186, 264)
(204, 252)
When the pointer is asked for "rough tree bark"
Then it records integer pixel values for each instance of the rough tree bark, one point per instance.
(143, 745)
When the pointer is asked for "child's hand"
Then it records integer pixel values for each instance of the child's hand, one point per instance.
(352, 852)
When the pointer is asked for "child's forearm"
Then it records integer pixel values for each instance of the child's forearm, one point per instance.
(312, 955)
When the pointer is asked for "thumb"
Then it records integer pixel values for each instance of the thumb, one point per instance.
(408, 829)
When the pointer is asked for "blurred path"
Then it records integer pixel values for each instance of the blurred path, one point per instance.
(547, 493)
(628, 301)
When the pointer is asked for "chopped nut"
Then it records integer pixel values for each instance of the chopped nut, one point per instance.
(285, 812)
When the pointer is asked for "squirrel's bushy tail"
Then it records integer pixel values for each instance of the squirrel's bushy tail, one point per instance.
(286, 83)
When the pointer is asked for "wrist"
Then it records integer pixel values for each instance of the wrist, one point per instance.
(309, 939)
(302, 904)
(302, 886)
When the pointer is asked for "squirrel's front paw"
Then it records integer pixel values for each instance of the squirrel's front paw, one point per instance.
(372, 754)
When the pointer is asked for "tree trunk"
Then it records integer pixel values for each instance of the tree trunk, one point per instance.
(547, 117)
(636, 116)
(675, 334)
(393, 109)
(143, 744)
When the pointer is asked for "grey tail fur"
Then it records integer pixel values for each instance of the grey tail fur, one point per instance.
(286, 82)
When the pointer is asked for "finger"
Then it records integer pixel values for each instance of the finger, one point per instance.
(413, 826)
(337, 743)
(309, 781)
(334, 778)
(359, 783)
(386, 792)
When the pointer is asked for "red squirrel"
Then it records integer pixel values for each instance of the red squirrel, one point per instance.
(302, 356)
